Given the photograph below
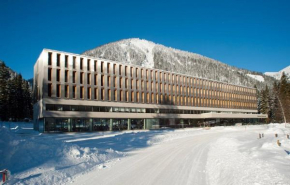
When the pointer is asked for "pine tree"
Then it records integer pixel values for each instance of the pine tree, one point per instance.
(275, 106)
(4, 78)
(27, 97)
(265, 102)
(284, 96)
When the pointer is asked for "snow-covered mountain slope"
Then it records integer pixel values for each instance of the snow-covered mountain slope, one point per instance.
(278, 75)
(148, 54)
(257, 77)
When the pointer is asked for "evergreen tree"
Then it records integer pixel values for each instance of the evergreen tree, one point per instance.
(284, 96)
(27, 97)
(265, 102)
(4, 78)
(275, 106)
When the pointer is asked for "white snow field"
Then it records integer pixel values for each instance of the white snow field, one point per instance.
(220, 155)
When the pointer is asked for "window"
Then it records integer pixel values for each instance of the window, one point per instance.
(81, 63)
(58, 60)
(121, 96)
(96, 94)
(109, 81)
(120, 82)
(143, 98)
(126, 68)
(126, 83)
(66, 76)
(88, 64)
(81, 78)
(49, 58)
(49, 74)
(136, 72)
(96, 79)
(109, 94)
(74, 62)
(173, 98)
(102, 80)
(74, 91)
(89, 93)
(120, 69)
(82, 92)
(66, 61)
(102, 67)
(131, 71)
(58, 89)
(58, 75)
(95, 65)
(74, 76)
(138, 98)
(49, 89)
(115, 95)
(127, 96)
(66, 91)
(89, 78)
(108, 67)
(114, 69)
(157, 99)
(137, 84)
(132, 96)
(115, 81)
(103, 94)
(132, 84)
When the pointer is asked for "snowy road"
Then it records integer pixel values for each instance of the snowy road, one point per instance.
(181, 161)
(221, 155)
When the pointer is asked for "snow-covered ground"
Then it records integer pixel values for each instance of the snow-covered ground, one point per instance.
(221, 155)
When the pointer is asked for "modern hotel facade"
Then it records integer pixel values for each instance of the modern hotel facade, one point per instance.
(77, 93)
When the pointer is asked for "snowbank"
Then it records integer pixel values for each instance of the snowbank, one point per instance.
(39, 159)
(245, 159)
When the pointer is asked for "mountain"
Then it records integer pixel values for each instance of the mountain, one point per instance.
(278, 75)
(12, 73)
(148, 54)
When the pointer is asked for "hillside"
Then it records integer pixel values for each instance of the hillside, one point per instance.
(148, 54)
(278, 75)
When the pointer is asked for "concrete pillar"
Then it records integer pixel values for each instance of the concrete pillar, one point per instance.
(91, 125)
(129, 124)
(182, 123)
(144, 124)
(111, 124)
(69, 125)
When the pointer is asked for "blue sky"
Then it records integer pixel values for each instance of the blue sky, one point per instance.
(251, 34)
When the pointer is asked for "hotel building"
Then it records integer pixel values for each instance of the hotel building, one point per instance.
(78, 93)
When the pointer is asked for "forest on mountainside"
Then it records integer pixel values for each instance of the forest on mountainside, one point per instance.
(15, 96)
(275, 101)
